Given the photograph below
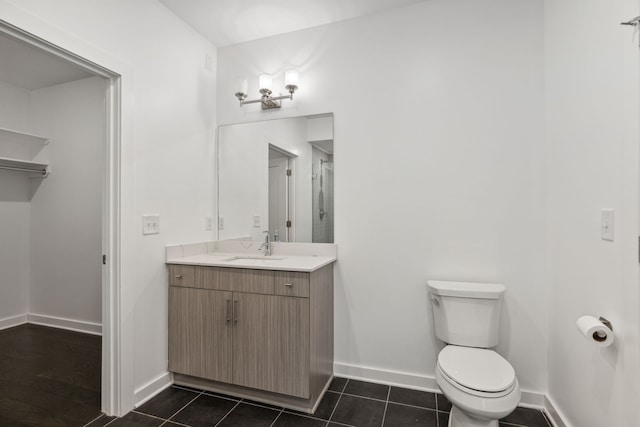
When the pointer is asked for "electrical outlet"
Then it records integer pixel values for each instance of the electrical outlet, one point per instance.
(256, 221)
(221, 223)
(208, 223)
(151, 224)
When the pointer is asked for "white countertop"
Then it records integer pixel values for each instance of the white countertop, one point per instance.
(304, 257)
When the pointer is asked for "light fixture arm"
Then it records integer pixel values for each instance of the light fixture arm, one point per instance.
(268, 102)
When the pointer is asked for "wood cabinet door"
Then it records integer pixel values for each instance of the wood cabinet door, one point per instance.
(271, 343)
(200, 333)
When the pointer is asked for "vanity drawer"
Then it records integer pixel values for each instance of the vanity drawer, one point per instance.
(292, 283)
(249, 280)
(182, 275)
(237, 280)
(213, 278)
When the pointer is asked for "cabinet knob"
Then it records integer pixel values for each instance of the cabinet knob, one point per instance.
(178, 276)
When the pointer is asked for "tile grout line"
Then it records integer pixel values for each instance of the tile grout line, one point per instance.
(367, 397)
(303, 415)
(147, 415)
(410, 406)
(338, 401)
(227, 414)
(188, 403)
(95, 419)
(274, 421)
(175, 422)
(221, 396)
(386, 404)
(261, 405)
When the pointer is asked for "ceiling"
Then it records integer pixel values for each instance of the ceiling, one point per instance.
(223, 22)
(229, 22)
(31, 68)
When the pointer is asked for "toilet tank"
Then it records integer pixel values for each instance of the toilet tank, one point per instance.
(466, 313)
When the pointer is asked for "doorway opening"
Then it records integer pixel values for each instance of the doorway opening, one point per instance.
(281, 194)
(50, 92)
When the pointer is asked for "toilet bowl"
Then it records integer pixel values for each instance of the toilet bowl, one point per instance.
(480, 384)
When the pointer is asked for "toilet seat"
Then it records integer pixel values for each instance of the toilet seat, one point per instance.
(477, 371)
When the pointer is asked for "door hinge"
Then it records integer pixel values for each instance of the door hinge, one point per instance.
(288, 172)
(104, 260)
(288, 223)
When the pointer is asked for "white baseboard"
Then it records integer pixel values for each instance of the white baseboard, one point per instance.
(554, 415)
(529, 399)
(380, 376)
(152, 388)
(10, 322)
(63, 323)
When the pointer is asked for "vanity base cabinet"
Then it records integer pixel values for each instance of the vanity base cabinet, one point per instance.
(268, 336)
(198, 329)
(271, 344)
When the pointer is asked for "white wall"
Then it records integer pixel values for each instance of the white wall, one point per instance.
(592, 141)
(167, 156)
(14, 216)
(66, 207)
(14, 107)
(439, 169)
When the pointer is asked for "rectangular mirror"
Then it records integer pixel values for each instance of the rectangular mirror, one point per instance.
(276, 176)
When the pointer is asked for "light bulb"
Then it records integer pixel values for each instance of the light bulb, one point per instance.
(266, 81)
(242, 85)
(291, 78)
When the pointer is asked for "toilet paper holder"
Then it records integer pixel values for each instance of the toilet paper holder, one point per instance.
(600, 336)
(605, 322)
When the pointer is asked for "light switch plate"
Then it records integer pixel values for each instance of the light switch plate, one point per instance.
(151, 224)
(606, 224)
(256, 221)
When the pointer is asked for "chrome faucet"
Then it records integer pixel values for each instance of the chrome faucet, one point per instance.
(267, 244)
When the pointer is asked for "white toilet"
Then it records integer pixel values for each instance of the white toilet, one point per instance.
(481, 384)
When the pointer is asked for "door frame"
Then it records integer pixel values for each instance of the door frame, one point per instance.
(114, 399)
(290, 190)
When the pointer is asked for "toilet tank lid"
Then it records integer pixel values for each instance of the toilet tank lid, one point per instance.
(466, 289)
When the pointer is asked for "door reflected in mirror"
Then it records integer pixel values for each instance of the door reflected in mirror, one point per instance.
(277, 176)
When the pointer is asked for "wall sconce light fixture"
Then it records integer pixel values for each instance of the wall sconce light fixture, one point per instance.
(267, 101)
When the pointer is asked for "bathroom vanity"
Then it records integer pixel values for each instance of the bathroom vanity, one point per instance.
(253, 326)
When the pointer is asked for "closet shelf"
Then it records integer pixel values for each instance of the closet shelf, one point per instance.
(24, 166)
(17, 136)
(18, 148)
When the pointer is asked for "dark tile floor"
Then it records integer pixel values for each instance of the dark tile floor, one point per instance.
(48, 377)
(347, 403)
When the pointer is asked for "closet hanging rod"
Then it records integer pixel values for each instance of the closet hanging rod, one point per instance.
(43, 172)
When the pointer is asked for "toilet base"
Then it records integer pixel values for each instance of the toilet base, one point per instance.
(457, 418)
